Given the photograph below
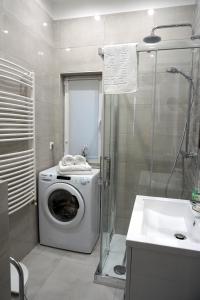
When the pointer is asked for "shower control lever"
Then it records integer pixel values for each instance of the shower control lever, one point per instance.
(188, 154)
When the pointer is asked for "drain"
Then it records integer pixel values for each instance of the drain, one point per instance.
(180, 236)
(119, 269)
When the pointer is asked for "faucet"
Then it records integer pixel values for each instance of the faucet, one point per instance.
(84, 151)
(196, 221)
(196, 211)
(196, 208)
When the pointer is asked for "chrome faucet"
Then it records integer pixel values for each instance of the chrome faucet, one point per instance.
(84, 151)
(196, 207)
(196, 212)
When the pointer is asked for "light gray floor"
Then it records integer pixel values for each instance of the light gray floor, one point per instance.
(61, 275)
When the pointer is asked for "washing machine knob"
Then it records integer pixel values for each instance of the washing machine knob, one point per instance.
(84, 181)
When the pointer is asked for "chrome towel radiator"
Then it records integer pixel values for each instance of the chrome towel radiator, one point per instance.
(17, 134)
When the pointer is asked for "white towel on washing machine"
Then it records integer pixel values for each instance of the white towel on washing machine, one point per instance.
(68, 160)
(79, 160)
(73, 168)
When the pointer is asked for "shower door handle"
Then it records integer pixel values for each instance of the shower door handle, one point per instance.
(107, 162)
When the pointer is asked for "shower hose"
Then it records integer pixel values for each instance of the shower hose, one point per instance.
(179, 151)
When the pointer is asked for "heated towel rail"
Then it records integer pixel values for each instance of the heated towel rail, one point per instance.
(17, 134)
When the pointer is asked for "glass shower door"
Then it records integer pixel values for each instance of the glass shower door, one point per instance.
(126, 160)
(107, 175)
(172, 172)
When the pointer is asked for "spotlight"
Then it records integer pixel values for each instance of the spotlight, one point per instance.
(150, 12)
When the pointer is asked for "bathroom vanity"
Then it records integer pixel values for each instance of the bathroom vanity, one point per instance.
(163, 250)
(4, 244)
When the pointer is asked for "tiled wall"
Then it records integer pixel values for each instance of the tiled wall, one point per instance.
(197, 18)
(26, 37)
(84, 36)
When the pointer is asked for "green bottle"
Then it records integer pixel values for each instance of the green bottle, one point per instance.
(195, 195)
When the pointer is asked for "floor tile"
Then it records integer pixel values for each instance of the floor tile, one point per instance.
(73, 280)
(40, 266)
(118, 294)
(63, 275)
(92, 258)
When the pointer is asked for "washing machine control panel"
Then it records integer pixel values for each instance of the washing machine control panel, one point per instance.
(64, 177)
(84, 180)
(81, 180)
(46, 177)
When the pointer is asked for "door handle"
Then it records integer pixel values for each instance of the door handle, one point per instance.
(107, 161)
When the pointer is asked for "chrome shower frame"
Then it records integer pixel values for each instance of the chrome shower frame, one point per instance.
(99, 276)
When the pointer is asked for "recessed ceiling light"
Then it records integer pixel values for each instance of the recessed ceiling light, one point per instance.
(41, 53)
(45, 24)
(5, 31)
(150, 12)
(97, 18)
(67, 49)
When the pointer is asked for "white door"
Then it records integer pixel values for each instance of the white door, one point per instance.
(63, 205)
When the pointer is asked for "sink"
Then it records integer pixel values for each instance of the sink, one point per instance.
(157, 221)
(163, 250)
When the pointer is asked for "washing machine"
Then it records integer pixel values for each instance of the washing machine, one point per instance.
(69, 210)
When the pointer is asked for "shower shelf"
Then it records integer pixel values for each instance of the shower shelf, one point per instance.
(17, 132)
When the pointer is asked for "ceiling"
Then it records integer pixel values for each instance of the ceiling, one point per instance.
(65, 9)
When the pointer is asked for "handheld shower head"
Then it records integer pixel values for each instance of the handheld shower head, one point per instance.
(174, 70)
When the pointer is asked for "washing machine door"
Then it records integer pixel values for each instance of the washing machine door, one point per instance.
(64, 205)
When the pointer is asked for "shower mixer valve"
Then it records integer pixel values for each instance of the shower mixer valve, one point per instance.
(188, 154)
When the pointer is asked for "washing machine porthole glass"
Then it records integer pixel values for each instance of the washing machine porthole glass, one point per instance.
(63, 205)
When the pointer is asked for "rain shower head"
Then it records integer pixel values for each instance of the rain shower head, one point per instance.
(153, 38)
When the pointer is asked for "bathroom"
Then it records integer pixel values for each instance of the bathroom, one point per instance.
(144, 143)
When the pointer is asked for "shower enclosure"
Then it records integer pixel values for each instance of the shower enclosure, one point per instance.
(141, 139)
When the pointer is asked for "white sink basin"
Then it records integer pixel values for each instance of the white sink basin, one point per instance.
(160, 266)
(157, 220)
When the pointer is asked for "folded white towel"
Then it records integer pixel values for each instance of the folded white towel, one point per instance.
(83, 172)
(79, 160)
(71, 168)
(120, 69)
(68, 160)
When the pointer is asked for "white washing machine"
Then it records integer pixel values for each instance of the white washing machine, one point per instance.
(69, 210)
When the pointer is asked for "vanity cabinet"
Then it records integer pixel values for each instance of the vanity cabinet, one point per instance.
(161, 274)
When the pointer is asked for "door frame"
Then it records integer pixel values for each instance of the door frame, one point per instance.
(66, 81)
